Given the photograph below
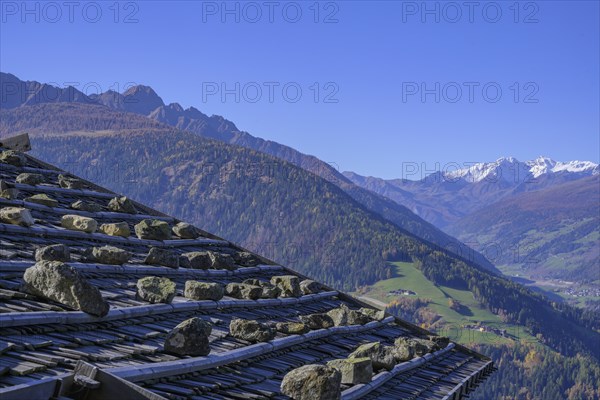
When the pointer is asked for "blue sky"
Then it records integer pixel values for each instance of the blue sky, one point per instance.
(371, 62)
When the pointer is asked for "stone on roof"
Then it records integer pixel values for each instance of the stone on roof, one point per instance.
(153, 230)
(117, 322)
(79, 223)
(16, 216)
(62, 283)
(156, 289)
(312, 382)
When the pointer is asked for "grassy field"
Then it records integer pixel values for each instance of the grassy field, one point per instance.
(410, 278)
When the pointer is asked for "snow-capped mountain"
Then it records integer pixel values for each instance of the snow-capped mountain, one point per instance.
(542, 165)
(520, 214)
(442, 198)
(512, 170)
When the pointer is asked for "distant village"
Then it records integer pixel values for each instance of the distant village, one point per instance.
(485, 328)
(583, 292)
(401, 292)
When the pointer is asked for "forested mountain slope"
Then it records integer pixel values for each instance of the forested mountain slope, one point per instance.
(143, 100)
(274, 208)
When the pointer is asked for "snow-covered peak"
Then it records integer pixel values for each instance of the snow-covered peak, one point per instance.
(577, 166)
(541, 165)
(511, 169)
(503, 168)
(544, 165)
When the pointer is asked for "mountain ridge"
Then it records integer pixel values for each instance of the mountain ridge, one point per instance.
(326, 232)
(538, 219)
(140, 99)
(521, 171)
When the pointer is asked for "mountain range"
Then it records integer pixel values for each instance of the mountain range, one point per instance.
(474, 207)
(301, 212)
(539, 219)
(143, 100)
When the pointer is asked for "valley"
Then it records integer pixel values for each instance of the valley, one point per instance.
(448, 311)
(291, 208)
(542, 230)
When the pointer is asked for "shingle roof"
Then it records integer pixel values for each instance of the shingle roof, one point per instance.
(42, 340)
